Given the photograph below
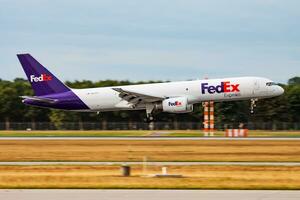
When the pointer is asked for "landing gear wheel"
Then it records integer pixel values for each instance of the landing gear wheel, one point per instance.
(149, 118)
(252, 105)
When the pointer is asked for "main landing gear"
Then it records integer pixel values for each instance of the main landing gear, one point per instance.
(149, 112)
(253, 105)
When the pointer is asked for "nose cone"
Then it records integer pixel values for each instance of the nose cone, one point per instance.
(279, 91)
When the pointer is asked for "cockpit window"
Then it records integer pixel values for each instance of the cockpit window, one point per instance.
(270, 83)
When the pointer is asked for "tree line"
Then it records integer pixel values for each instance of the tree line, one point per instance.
(285, 108)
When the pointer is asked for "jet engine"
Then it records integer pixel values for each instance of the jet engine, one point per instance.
(177, 105)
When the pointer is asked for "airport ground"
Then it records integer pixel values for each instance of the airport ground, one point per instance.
(212, 176)
(109, 177)
(153, 150)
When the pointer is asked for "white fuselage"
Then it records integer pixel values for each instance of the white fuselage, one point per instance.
(227, 89)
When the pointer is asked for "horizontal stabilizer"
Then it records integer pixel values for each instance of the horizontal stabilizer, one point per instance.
(40, 99)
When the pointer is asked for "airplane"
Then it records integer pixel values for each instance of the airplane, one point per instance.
(171, 97)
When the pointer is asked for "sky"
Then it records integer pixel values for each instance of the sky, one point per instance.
(140, 40)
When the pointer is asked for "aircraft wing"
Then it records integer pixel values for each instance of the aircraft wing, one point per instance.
(40, 99)
(135, 98)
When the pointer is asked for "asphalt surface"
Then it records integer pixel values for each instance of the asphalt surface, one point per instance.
(147, 138)
(156, 163)
(54, 194)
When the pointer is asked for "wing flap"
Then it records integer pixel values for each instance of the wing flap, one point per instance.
(135, 98)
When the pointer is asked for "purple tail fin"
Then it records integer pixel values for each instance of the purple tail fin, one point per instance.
(42, 81)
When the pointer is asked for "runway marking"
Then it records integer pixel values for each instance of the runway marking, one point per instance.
(157, 163)
(149, 138)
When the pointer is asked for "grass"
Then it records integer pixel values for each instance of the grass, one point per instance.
(72, 133)
(195, 177)
(140, 133)
(154, 150)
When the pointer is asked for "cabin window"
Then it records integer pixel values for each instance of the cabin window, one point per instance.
(270, 83)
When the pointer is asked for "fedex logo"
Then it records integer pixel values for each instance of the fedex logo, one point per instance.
(176, 103)
(224, 87)
(43, 77)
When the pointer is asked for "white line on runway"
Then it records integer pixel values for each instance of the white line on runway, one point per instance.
(147, 138)
(85, 194)
(156, 163)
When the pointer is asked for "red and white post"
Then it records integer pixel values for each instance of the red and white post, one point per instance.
(206, 119)
(211, 119)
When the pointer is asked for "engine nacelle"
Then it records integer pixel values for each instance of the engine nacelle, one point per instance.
(177, 105)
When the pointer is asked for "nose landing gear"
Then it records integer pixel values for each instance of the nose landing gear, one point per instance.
(253, 105)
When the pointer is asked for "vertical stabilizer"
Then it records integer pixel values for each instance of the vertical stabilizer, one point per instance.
(42, 81)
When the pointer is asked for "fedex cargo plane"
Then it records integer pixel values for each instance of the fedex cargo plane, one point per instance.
(172, 97)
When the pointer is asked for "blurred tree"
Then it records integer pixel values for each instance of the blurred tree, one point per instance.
(294, 81)
(8, 98)
(293, 97)
(58, 117)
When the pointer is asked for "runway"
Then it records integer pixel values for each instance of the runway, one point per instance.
(148, 194)
(156, 163)
(149, 138)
